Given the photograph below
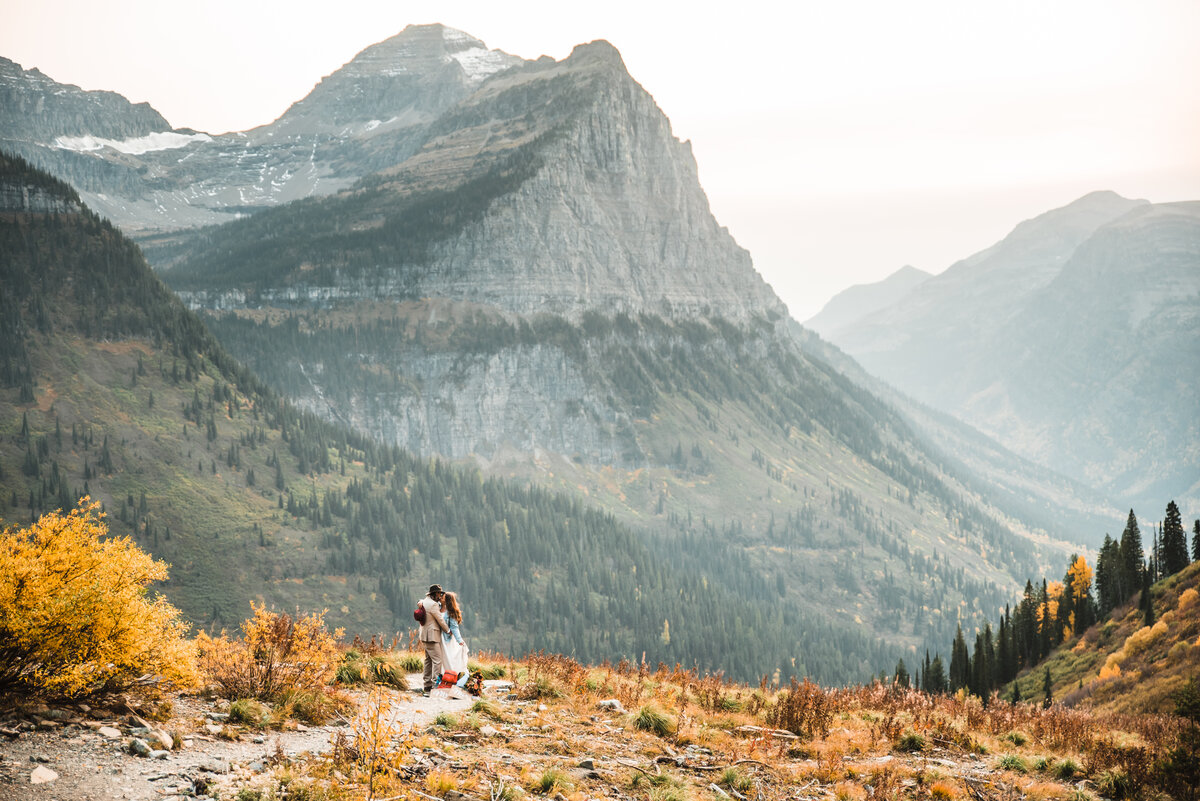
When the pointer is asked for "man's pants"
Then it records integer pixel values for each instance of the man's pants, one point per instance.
(433, 664)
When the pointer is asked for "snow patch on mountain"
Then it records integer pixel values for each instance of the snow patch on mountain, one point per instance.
(479, 62)
(162, 140)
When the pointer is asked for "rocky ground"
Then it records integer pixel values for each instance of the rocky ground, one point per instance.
(86, 752)
(580, 739)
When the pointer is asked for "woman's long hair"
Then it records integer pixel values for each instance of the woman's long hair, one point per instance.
(452, 609)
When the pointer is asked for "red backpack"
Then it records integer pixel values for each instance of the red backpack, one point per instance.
(419, 614)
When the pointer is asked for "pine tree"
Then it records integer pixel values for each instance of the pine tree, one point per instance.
(935, 678)
(960, 663)
(902, 677)
(1108, 576)
(1196, 541)
(1047, 689)
(1132, 556)
(1147, 602)
(1174, 542)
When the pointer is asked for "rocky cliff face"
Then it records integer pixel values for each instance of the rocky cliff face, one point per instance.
(589, 204)
(607, 218)
(615, 220)
(405, 81)
(22, 198)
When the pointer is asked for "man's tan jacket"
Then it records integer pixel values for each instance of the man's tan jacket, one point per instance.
(434, 625)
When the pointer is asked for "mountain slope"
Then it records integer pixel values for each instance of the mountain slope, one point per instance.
(1063, 342)
(1113, 401)
(861, 300)
(542, 289)
(110, 387)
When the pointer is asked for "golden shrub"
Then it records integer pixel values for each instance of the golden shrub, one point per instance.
(943, 791)
(75, 616)
(277, 655)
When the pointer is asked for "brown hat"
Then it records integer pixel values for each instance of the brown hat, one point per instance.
(435, 589)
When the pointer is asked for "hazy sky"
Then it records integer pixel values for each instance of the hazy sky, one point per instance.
(836, 140)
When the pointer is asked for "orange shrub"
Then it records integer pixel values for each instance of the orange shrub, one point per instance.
(74, 614)
(277, 655)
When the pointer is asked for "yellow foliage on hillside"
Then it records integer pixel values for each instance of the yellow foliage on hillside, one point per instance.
(75, 617)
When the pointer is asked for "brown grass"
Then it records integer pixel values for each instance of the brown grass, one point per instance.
(844, 742)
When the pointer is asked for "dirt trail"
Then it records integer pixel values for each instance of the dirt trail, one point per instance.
(94, 767)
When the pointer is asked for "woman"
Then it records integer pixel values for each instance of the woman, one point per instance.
(454, 648)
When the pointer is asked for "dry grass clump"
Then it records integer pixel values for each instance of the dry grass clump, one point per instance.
(943, 791)
(391, 669)
(650, 718)
(550, 781)
(250, 713)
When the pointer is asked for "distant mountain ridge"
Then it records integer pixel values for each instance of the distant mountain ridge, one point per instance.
(38, 110)
(1065, 341)
(860, 300)
(365, 116)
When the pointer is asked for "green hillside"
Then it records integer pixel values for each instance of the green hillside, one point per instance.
(112, 388)
(738, 454)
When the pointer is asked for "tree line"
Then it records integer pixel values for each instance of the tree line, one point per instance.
(1052, 613)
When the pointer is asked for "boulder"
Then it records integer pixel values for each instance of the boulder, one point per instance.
(161, 738)
(42, 775)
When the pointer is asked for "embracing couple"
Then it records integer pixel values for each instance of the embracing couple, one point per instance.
(445, 650)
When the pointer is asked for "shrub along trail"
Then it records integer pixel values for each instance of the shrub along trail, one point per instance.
(88, 746)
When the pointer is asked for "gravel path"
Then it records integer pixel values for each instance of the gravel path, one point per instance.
(95, 765)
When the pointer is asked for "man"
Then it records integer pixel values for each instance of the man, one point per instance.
(431, 636)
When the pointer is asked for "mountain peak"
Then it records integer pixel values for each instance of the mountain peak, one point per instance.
(405, 80)
(424, 48)
(861, 300)
(599, 53)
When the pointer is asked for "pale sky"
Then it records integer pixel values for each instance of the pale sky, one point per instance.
(837, 141)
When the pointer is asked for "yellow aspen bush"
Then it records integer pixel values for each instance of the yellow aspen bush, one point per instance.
(277, 655)
(75, 616)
